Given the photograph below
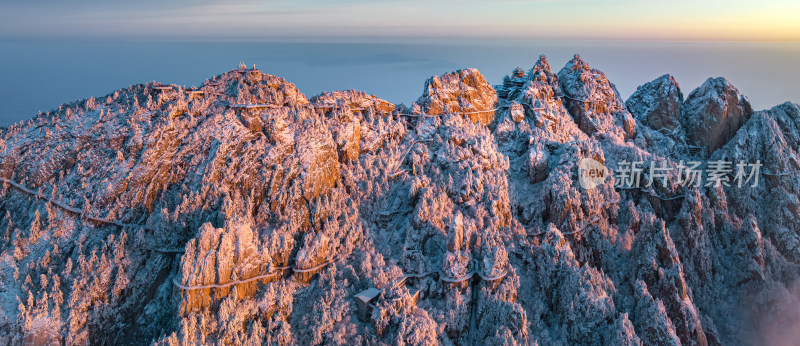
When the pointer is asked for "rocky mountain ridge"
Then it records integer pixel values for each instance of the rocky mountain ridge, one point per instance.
(244, 212)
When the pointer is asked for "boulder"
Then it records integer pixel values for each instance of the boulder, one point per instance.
(713, 113)
(657, 103)
(538, 160)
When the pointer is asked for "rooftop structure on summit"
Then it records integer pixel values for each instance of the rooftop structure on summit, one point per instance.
(242, 68)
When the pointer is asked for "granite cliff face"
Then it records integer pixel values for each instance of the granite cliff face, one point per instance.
(657, 104)
(713, 113)
(244, 212)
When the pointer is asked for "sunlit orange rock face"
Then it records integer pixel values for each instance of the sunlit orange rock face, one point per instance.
(219, 257)
(321, 162)
(462, 91)
(347, 107)
(250, 214)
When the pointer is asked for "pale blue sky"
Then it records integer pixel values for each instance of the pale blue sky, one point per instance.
(386, 19)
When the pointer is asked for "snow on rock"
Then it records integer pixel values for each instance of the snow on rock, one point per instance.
(657, 103)
(538, 162)
(462, 91)
(661, 271)
(319, 161)
(344, 108)
(249, 214)
(219, 256)
(353, 99)
(546, 109)
(713, 113)
(536, 98)
(593, 101)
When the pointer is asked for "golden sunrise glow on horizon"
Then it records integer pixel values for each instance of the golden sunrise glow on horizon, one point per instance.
(680, 20)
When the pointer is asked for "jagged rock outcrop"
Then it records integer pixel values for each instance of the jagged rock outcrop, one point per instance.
(342, 106)
(537, 120)
(242, 212)
(713, 113)
(218, 257)
(657, 103)
(462, 91)
(354, 99)
(593, 101)
(319, 162)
